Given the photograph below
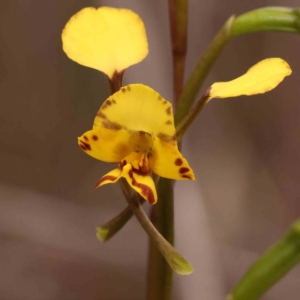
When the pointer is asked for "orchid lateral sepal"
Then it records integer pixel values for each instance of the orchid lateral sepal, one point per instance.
(260, 78)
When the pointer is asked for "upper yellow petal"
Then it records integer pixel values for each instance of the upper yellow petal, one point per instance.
(137, 107)
(105, 144)
(107, 39)
(167, 161)
(261, 78)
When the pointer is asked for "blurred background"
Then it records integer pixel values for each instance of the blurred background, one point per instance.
(245, 153)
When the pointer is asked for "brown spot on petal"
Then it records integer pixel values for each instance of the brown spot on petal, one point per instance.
(82, 147)
(168, 110)
(183, 170)
(169, 122)
(178, 162)
(186, 176)
(86, 145)
(159, 97)
(167, 138)
(123, 89)
(95, 138)
(145, 190)
(113, 101)
(111, 125)
(165, 102)
(106, 104)
(86, 138)
(128, 87)
(101, 115)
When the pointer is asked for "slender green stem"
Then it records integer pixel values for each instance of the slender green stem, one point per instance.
(183, 126)
(160, 275)
(109, 229)
(201, 70)
(178, 26)
(270, 267)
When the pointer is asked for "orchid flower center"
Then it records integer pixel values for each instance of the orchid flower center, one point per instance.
(141, 141)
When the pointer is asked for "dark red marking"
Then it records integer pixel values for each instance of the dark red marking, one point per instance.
(101, 114)
(86, 145)
(106, 104)
(111, 125)
(145, 190)
(104, 178)
(82, 147)
(183, 170)
(123, 90)
(95, 138)
(167, 138)
(178, 162)
(86, 138)
(186, 176)
(168, 110)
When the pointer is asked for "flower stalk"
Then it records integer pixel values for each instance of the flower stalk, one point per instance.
(178, 25)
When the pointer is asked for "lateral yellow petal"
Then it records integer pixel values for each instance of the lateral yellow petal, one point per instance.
(107, 39)
(105, 144)
(111, 177)
(167, 161)
(261, 78)
(137, 107)
(143, 184)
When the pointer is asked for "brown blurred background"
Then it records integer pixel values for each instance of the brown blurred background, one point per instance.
(245, 153)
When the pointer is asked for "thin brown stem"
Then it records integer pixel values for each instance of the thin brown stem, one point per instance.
(115, 82)
(178, 27)
(183, 126)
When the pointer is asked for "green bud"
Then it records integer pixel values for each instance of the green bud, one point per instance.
(267, 19)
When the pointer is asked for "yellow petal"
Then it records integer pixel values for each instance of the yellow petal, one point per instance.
(166, 161)
(143, 184)
(137, 107)
(111, 177)
(107, 39)
(105, 144)
(261, 78)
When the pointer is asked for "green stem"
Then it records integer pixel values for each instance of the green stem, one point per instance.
(270, 267)
(160, 275)
(109, 229)
(201, 70)
(178, 25)
(183, 126)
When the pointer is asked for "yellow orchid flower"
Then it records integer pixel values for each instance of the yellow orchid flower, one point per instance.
(107, 39)
(135, 127)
